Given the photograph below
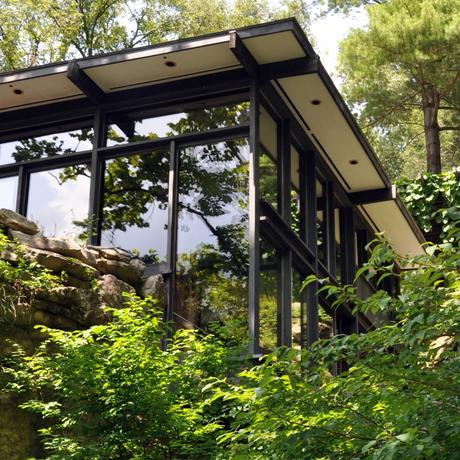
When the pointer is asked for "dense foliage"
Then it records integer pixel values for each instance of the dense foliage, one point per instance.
(113, 392)
(402, 77)
(434, 201)
(21, 277)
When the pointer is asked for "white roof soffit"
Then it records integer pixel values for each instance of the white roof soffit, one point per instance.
(312, 98)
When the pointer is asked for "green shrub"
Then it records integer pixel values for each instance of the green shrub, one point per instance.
(113, 392)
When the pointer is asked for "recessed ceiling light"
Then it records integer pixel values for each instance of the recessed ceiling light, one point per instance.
(17, 91)
(353, 162)
(315, 102)
(170, 64)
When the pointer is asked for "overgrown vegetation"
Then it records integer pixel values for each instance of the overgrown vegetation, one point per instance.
(20, 277)
(113, 392)
(434, 201)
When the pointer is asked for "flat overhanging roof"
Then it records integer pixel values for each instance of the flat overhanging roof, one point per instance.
(285, 57)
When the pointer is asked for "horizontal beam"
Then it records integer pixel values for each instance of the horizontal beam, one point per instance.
(238, 48)
(373, 196)
(289, 68)
(281, 236)
(214, 89)
(87, 86)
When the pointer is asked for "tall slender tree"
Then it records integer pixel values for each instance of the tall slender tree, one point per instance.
(402, 74)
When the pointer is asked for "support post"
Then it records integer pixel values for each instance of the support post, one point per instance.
(22, 195)
(284, 165)
(347, 248)
(173, 193)
(329, 215)
(254, 217)
(311, 236)
(96, 189)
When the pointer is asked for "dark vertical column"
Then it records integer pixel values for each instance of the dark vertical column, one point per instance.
(347, 248)
(173, 193)
(254, 216)
(330, 228)
(22, 196)
(347, 245)
(361, 240)
(96, 189)
(284, 163)
(311, 238)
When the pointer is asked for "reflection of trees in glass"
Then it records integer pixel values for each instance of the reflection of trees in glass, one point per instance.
(268, 179)
(212, 239)
(268, 299)
(52, 145)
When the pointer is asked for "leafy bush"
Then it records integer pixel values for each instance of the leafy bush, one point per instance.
(400, 398)
(434, 201)
(113, 392)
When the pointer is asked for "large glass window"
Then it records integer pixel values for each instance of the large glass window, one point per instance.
(321, 226)
(58, 201)
(8, 191)
(269, 299)
(212, 245)
(268, 159)
(295, 191)
(197, 120)
(46, 146)
(135, 213)
(299, 311)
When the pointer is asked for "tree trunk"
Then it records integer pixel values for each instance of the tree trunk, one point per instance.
(431, 128)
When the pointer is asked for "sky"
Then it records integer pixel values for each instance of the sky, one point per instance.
(329, 31)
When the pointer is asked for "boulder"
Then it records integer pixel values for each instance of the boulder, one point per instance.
(154, 286)
(15, 221)
(130, 272)
(57, 263)
(118, 254)
(61, 246)
(81, 306)
(112, 289)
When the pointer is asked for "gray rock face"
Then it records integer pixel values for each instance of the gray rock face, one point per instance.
(112, 253)
(112, 289)
(129, 272)
(57, 263)
(15, 221)
(63, 247)
(154, 286)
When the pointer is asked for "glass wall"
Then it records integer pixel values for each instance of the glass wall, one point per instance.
(212, 242)
(197, 120)
(269, 297)
(299, 311)
(58, 201)
(46, 146)
(135, 213)
(8, 191)
(295, 191)
(268, 160)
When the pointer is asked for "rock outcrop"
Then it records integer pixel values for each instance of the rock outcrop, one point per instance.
(93, 277)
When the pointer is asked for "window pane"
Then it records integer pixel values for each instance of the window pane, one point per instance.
(268, 179)
(179, 123)
(295, 191)
(135, 214)
(299, 311)
(269, 296)
(321, 222)
(58, 201)
(8, 190)
(212, 246)
(46, 146)
(338, 258)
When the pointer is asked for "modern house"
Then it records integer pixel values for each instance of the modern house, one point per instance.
(229, 162)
